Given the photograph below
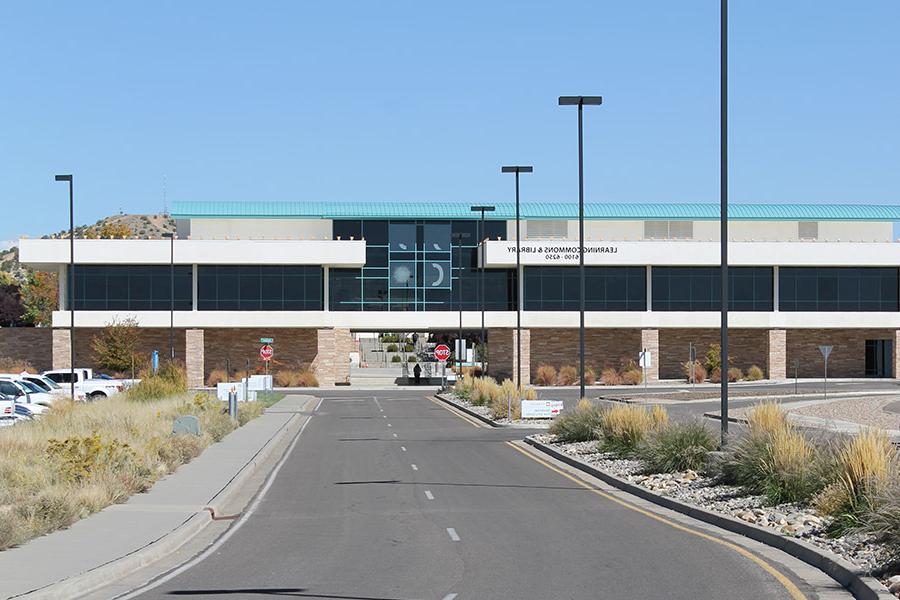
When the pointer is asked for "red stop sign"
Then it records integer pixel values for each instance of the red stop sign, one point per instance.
(266, 353)
(442, 352)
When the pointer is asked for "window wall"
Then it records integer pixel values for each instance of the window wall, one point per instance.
(263, 287)
(606, 288)
(415, 265)
(131, 287)
(843, 289)
(700, 288)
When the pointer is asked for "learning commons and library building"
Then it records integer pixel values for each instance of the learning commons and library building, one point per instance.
(317, 277)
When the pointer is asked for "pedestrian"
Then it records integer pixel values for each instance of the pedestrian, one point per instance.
(417, 373)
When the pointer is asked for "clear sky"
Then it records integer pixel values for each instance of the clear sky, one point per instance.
(414, 101)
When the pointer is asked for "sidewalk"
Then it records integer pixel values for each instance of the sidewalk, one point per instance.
(124, 537)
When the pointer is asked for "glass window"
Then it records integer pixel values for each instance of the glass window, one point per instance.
(375, 232)
(250, 287)
(605, 288)
(132, 287)
(402, 236)
(700, 289)
(346, 229)
(838, 289)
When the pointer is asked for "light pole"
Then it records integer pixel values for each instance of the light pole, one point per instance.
(71, 280)
(580, 101)
(171, 237)
(519, 283)
(723, 197)
(460, 348)
(482, 209)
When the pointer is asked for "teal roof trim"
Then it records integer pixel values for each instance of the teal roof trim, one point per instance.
(536, 210)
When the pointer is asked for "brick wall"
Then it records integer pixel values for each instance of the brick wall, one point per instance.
(746, 347)
(151, 339)
(848, 358)
(31, 344)
(602, 347)
(502, 348)
(294, 348)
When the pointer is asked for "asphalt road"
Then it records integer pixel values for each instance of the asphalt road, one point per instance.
(394, 497)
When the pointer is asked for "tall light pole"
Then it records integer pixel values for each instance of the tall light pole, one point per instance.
(482, 209)
(171, 237)
(723, 198)
(519, 284)
(460, 347)
(580, 102)
(71, 280)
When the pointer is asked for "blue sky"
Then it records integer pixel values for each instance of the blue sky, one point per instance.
(409, 101)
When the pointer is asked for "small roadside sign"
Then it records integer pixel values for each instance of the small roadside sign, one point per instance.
(825, 350)
(266, 340)
(442, 352)
(644, 360)
(266, 353)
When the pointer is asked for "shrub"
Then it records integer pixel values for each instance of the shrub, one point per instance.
(546, 375)
(568, 375)
(590, 377)
(865, 465)
(463, 387)
(882, 519)
(767, 418)
(579, 424)
(699, 371)
(396, 358)
(754, 373)
(412, 358)
(216, 376)
(624, 426)
(484, 391)
(169, 380)
(508, 400)
(677, 448)
(715, 376)
(115, 346)
(307, 379)
(409, 348)
(286, 378)
(392, 348)
(15, 365)
(632, 377)
(609, 376)
(735, 374)
(713, 358)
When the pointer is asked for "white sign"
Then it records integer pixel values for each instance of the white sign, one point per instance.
(222, 390)
(644, 360)
(825, 350)
(541, 409)
(259, 383)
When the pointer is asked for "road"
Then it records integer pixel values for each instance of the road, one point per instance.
(395, 497)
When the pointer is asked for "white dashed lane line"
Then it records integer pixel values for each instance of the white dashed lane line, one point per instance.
(394, 434)
(403, 448)
(429, 495)
(450, 596)
(453, 535)
(414, 467)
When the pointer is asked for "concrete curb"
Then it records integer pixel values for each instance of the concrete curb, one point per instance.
(665, 401)
(468, 411)
(98, 577)
(862, 586)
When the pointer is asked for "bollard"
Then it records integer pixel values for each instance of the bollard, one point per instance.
(232, 404)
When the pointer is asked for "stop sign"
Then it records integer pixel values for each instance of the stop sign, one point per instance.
(266, 353)
(442, 352)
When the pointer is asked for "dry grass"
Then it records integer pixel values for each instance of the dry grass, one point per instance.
(754, 373)
(624, 426)
(699, 371)
(590, 377)
(632, 377)
(15, 365)
(295, 378)
(82, 457)
(767, 418)
(546, 375)
(509, 399)
(485, 391)
(568, 375)
(735, 374)
(463, 387)
(579, 425)
(216, 376)
(610, 376)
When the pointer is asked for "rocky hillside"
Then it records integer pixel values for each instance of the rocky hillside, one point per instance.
(141, 227)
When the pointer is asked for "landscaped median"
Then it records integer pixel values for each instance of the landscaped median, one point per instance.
(812, 496)
(81, 457)
(488, 400)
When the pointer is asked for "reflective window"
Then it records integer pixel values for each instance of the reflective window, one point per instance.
(259, 287)
(416, 265)
(700, 288)
(844, 289)
(132, 287)
(605, 288)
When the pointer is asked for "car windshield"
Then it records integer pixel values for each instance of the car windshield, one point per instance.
(50, 383)
(43, 385)
(31, 387)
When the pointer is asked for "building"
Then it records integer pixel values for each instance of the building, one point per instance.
(312, 275)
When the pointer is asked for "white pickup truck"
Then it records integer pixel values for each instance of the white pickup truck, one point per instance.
(93, 389)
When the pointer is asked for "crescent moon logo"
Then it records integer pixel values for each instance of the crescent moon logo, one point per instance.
(440, 278)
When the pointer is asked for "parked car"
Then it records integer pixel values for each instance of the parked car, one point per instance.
(24, 392)
(93, 389)
(7, 411)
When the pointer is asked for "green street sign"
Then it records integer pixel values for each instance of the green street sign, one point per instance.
(266, 340)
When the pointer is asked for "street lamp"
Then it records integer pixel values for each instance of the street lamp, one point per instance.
(580, 102)
(171, 237)
(723, 199)
(482, 209)
(519, 284)
(460, 348)
(71, 280)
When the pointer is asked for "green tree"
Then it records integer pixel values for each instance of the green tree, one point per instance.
(115, 347)
(40, 297)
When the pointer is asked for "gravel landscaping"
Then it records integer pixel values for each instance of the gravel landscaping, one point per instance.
(869, 412)
(484, 411)
(793, 520)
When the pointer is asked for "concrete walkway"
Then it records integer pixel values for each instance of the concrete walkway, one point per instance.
(94, 550)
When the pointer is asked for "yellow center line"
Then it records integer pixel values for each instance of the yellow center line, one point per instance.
(458, 413)
(789, 585)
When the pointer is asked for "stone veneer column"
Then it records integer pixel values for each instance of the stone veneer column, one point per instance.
(194, 359)
(332, 362)
(62, 349)
(650, 342)
(896, 372)
(502, 354)
(777, 361)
